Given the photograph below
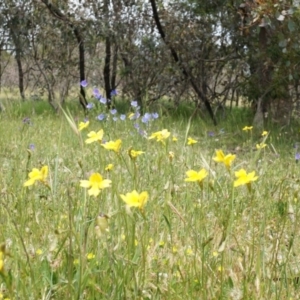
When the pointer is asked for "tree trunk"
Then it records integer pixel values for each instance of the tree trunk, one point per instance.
(183, 69)
(59, 15)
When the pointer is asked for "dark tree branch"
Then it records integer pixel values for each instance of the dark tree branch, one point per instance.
(59, 15)
(175, 56)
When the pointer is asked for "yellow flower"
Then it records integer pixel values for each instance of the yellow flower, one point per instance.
(134, 154)
(95, 184)
(171, 155)
(264, 133)
(244, 178)
(113, 145)
(83, 125)
(225, 159)
(174, 139)
(1, 261)
(160, 136)
(191, 141)
(39, 252)
(130, 116)
(94, 136)
(260, 146)
(90, 256)
(109, 167)
(76, 261)
(196, 176)
(247, 128)
(134, 199)
(37, 175)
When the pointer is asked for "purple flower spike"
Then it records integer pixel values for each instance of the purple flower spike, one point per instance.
(84, 83)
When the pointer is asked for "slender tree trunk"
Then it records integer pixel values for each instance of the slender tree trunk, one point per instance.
(106, 71)
(80, 41)
(59, 15)
(18, 58)
(184, 70)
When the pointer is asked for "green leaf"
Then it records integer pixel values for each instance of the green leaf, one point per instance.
(291, 25)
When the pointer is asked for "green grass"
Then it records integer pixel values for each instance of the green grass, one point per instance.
(214, 242)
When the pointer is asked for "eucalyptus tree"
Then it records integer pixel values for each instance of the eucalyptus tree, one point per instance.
(15, 23)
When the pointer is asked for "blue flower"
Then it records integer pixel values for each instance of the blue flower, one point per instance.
(210, 133)
(146, 118)
(113, 111)
(115, 119)
(134, 103)
(90, 106)
(135, 116)
(113, 93)
(297, 157)
(155, 115)
(136, 126)
(122, 117)
(103, 100)
(101, 117)
(31, 147)
(84, 83)
(96, 93)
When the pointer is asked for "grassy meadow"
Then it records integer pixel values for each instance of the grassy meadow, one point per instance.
(196, 227)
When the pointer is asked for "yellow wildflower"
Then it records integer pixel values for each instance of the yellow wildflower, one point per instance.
(174, 139)
(225, 159)
(191, 141)
(1, 261)
(90, 256)
(134, 199)
(37, 175)
(171, 155)
(113, 145)
(194, 176)
(83, 125)
(248, 128)
(109, 167)
(133, 154)
(264, 133)
(95, 184)
(260, 146)
(244, 178)
(95, 136)
(39, 252)
(160, 136)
